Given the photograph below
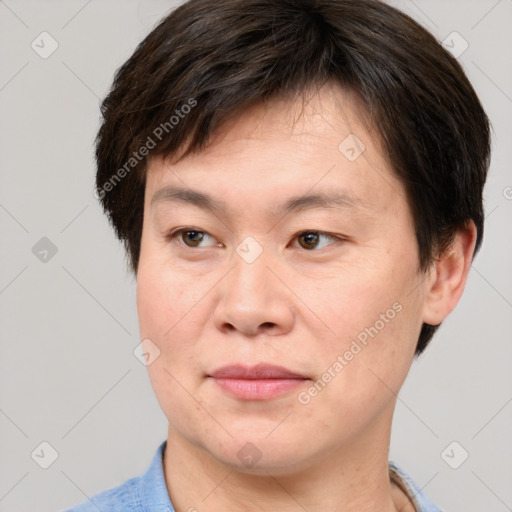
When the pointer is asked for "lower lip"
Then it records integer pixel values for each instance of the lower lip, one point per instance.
(258, 389)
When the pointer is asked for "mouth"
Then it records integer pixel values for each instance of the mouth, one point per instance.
(260, 382)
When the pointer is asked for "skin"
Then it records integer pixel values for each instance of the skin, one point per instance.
(300, 304)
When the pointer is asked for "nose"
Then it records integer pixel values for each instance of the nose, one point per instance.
(253, 299)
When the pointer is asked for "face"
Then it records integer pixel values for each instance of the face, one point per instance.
(303, 256)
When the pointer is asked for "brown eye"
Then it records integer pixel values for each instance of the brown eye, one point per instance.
(310, 239)
(191, 237)
(194, 237)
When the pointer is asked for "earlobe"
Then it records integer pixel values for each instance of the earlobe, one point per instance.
(448, 276)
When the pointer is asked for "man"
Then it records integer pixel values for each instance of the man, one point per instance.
(299, 188)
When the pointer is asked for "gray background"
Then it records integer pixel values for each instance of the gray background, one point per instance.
(69, 326)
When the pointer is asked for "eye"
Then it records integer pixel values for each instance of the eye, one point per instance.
(310, 239)
(192, 237)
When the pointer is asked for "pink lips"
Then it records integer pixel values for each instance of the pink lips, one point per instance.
(260, 382)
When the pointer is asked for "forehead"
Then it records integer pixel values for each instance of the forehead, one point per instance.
(286, 148)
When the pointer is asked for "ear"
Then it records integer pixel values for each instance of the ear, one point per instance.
(448, 276)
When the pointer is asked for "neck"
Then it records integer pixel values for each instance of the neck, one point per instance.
(352, 477)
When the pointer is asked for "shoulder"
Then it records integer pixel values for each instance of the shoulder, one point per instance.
(124, 497)
(143, 493)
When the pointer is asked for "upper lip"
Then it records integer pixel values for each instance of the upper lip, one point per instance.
(260, 371)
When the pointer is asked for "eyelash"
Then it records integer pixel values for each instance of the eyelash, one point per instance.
(173, 234)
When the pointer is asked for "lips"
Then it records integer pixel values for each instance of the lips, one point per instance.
(260, 371)
(260, 382)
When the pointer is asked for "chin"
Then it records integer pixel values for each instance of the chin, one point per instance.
(255, 455)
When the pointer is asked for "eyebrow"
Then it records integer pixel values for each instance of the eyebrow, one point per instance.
(335, 199)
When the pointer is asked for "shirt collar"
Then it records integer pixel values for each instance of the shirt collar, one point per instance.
(411, 489)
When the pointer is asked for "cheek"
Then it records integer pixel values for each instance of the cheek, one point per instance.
(172, 309)
(166, 318)
(375, 323)
(362, 371)
(154, 305)
(165, 298)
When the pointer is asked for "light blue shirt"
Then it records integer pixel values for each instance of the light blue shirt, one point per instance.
(148, 492)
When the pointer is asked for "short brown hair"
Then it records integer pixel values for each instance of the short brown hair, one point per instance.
(218, 57)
